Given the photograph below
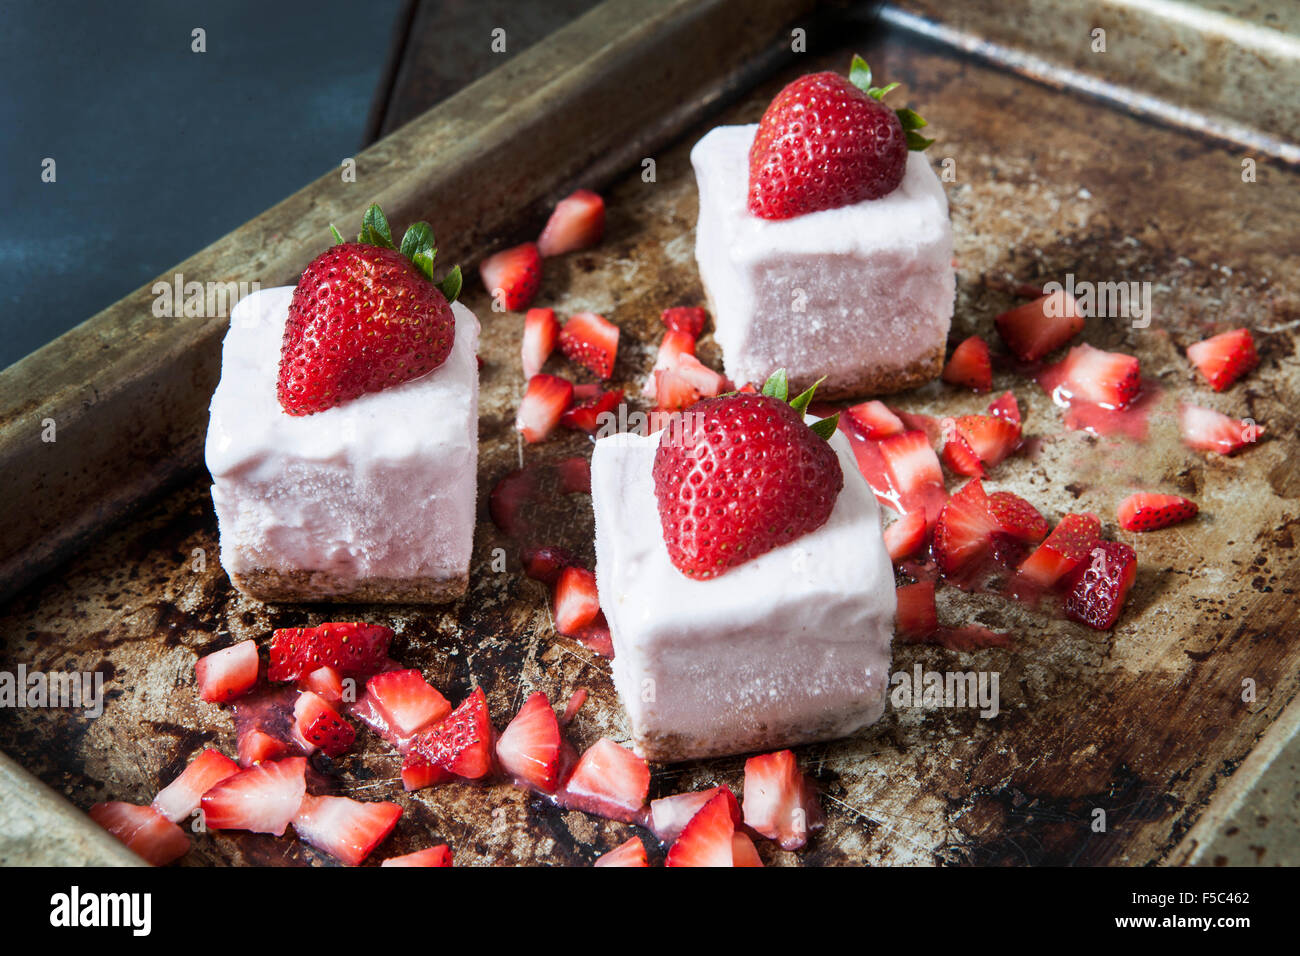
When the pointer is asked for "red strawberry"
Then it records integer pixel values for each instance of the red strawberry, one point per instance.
(905, 536)
(352, 649)
(439, 855)
(873, 420)
(545, 564)
(591, 341)
(1145, 511)
(325, 681)
(227, 673)
(1036, 328)
(911, 461)
(1110, 379)
(462, 743)
(609, 781)
(687, 382)
(917, 617)
(741, 475)
(594, 414)
(1016, 517)
(690, 319)
(182, 796)
(709, 838)
(675, 344)
(545, 401)
(263, 798)
(1098, 587)
(419, 772)
(669, 815)
(257, 745)
(970, 365)
(990, 437)
(577, 223)
(960, 457)
(1006, 406)
(320, 725)
(346, 829)
(405, 701)
(779, 801)
(1224, 358)
(146, 832)
(631, 853)
(541, 330)
(576, 700)
(529, 747)
(1204, 429)
(965, 528)
(1067, 547)
(576, 601)
(828, 141)
(513, 276)
(575, 476)
(509, 500)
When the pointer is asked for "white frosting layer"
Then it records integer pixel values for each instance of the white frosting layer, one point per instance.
(380, 487)
(791, 646)
(829, 293)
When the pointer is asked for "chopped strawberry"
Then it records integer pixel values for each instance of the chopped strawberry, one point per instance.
(508, 502)
(1146, 511)
(1109, 379)
(575, 476)
(325, 681)
(225, 674)
(1067, 547)
(911, 461)
(544, 404)
(1098, 586)
(405, 701)
(970, 365)
(609, 781)
(965, 528)
(529, 747)
(439, 855)
(353, 649)
(690, 319)
(346, 829)
(1006, 406)
(708, 839)
(576, 601)
(917, 616)
(672, 392)
(596, 636)
(594, 414)
(1016, 517)
(873, 420)
(743, 851)
(631, 853)
(1204, 429)
(541, 330)
(462, 742)
(182, 796)
(990, 437)
(545, 564)
(257, 745)
(1044, 325)
(418, 772)
(905, 536)
(669, 815)
(263, 798)
(1224, 358)
(145, 831)
(320, 724)
(576, 700)
(513, 276)
(779, 801)
(577, 222)
(960, 458)
(675, 344)
(591, 341)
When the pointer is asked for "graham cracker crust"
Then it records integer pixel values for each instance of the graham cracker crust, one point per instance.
(301, 587)
(875, 381)
(660, 747)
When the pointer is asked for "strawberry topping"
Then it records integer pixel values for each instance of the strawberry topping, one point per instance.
(970, 365)
(1146, 511)
(512, 276)
(1224, 358)
(541, 331)
(591, 341)
(577, 222)
(352, 649)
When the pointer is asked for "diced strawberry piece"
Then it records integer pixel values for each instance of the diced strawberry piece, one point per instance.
(576, 700)
(596, 636)
(257, 745)
(346, 829)
(911, 461)
(1044, 325)
(743, 851)
(513, 276)
(690, 319)
(1099, 586)
(1204, 429)
(405, 701)
(182, 796)
(1016, 517)
(509, 500)
(873, 420)
(545, 564)
(529, 747)
(439, 855)
(1146, 511)
(609, 781)
(462, 743)
(1065, 549)
(320, 725)
(594, 414)
(263, 798)
(917, 615)
(1006, 406)
(577, 222)
(325, 681)
(970, 365)
(545, 401)
(779, 801)
(990, 437)
(688, 381)
(960, 457)
(576, 601)
(964, 530)
(631, 853)
(1109, 379)
(541, 330)
(418, 772)
(575, 476)
(225, 674)
(675, 344)
(669, 815)
(1224, 358)
(145, 831)
(708, 838)
(905, 536)
(591, 341)
(352, 649)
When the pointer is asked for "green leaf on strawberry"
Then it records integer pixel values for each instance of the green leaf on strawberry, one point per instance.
(338, 236)
(860, 76)
(417, 245)
(451, 283)
(374, 228)
(778, 386)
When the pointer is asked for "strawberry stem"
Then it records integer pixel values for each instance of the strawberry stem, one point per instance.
(417, 245)
(860, 76)
(778, 386)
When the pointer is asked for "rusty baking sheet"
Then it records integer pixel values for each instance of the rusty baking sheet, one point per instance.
(1146, 722)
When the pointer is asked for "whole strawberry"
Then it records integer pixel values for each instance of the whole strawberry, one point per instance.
(827, 141)
(738, 475)
(365, 316)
